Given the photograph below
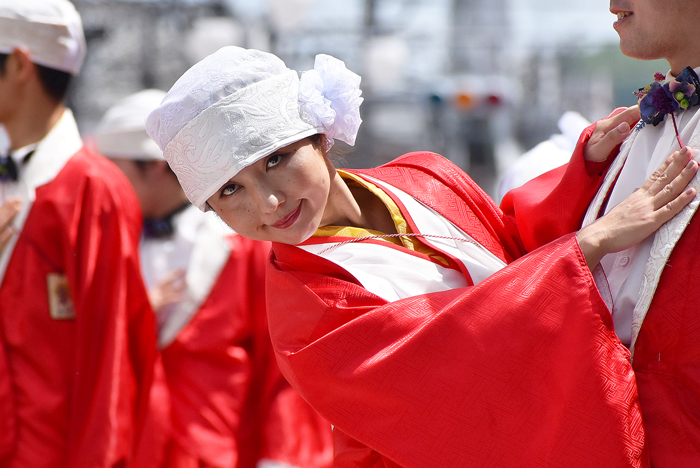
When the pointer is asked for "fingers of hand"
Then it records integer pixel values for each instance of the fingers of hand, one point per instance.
(677, 204)
(676, 188)
(615, 136)
(5, 236)
(667, 211)
(671, 169)
(620, 116)
(8, 212)
(627, 115)
(175, 281)
(616, 111)
(166, 293)
(174, 275)
(173, 297)
(609, 133)
(630, 115)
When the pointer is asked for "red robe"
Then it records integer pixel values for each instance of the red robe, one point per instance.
(75, 388)
(667, 356)
(523, 369)
(230, 405)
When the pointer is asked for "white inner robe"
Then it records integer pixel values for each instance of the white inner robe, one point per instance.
(392, 274)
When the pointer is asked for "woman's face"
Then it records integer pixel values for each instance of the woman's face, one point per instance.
(280, 198)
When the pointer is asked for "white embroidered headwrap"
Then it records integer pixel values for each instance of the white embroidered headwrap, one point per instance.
(51, 29)
(121, 133)
(238, 106)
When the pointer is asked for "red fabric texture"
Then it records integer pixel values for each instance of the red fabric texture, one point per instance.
(7, 407)
(228, 403)
(79, 386)
(349, 452)
(523, 369)
(667, 358)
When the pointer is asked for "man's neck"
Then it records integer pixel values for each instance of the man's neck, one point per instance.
(32, 123)
(677, 65)
(165, 202)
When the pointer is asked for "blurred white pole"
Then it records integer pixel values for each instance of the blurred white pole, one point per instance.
(385, 62)
(288, 15)
(209, 34)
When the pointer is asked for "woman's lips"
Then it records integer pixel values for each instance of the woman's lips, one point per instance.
(288, 220)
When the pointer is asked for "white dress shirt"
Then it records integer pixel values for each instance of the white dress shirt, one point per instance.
(625, 270)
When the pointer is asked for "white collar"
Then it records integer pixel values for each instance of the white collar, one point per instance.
(670, 76)
(53, 151)
(19, 155)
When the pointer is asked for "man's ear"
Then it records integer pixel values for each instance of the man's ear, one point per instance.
(19, 63)
(154, 170)
(162, 166)
(164, 169)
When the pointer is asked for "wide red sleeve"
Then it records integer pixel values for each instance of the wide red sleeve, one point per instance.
(523, 369)
(555, 203)
(115, 344)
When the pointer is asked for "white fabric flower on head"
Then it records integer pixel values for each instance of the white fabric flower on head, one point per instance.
(330, 97)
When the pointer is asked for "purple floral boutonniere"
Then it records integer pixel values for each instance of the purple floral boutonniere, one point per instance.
(659, 98)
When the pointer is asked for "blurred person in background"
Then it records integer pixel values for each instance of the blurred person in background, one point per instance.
(547, 155)
(223, 400)
(402, 302)
(77, 334)
(655, 286)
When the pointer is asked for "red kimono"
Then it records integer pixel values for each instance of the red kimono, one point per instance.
(230, 406)
(76, 328)
(523, 369)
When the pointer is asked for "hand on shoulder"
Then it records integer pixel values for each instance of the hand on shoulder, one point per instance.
(660, 198)
(610, 132)
(8, 212)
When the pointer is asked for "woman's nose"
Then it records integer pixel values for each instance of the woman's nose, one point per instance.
(268, 199)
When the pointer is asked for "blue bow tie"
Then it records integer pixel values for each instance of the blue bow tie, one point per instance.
(161, 228)
(8, 168)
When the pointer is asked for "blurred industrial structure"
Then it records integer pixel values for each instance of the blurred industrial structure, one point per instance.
(438, 75)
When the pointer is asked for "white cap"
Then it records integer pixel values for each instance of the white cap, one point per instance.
(238, 106)
(121, 134)
(50, 29)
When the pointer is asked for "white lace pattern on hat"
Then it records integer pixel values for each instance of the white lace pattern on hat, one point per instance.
(238, 106)
(234, 133)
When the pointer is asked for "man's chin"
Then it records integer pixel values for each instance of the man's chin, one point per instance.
(638, 53)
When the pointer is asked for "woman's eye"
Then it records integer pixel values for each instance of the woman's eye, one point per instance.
(229, 190)
(274, 160)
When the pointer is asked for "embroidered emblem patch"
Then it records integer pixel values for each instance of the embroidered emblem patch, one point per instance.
(60, 303)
